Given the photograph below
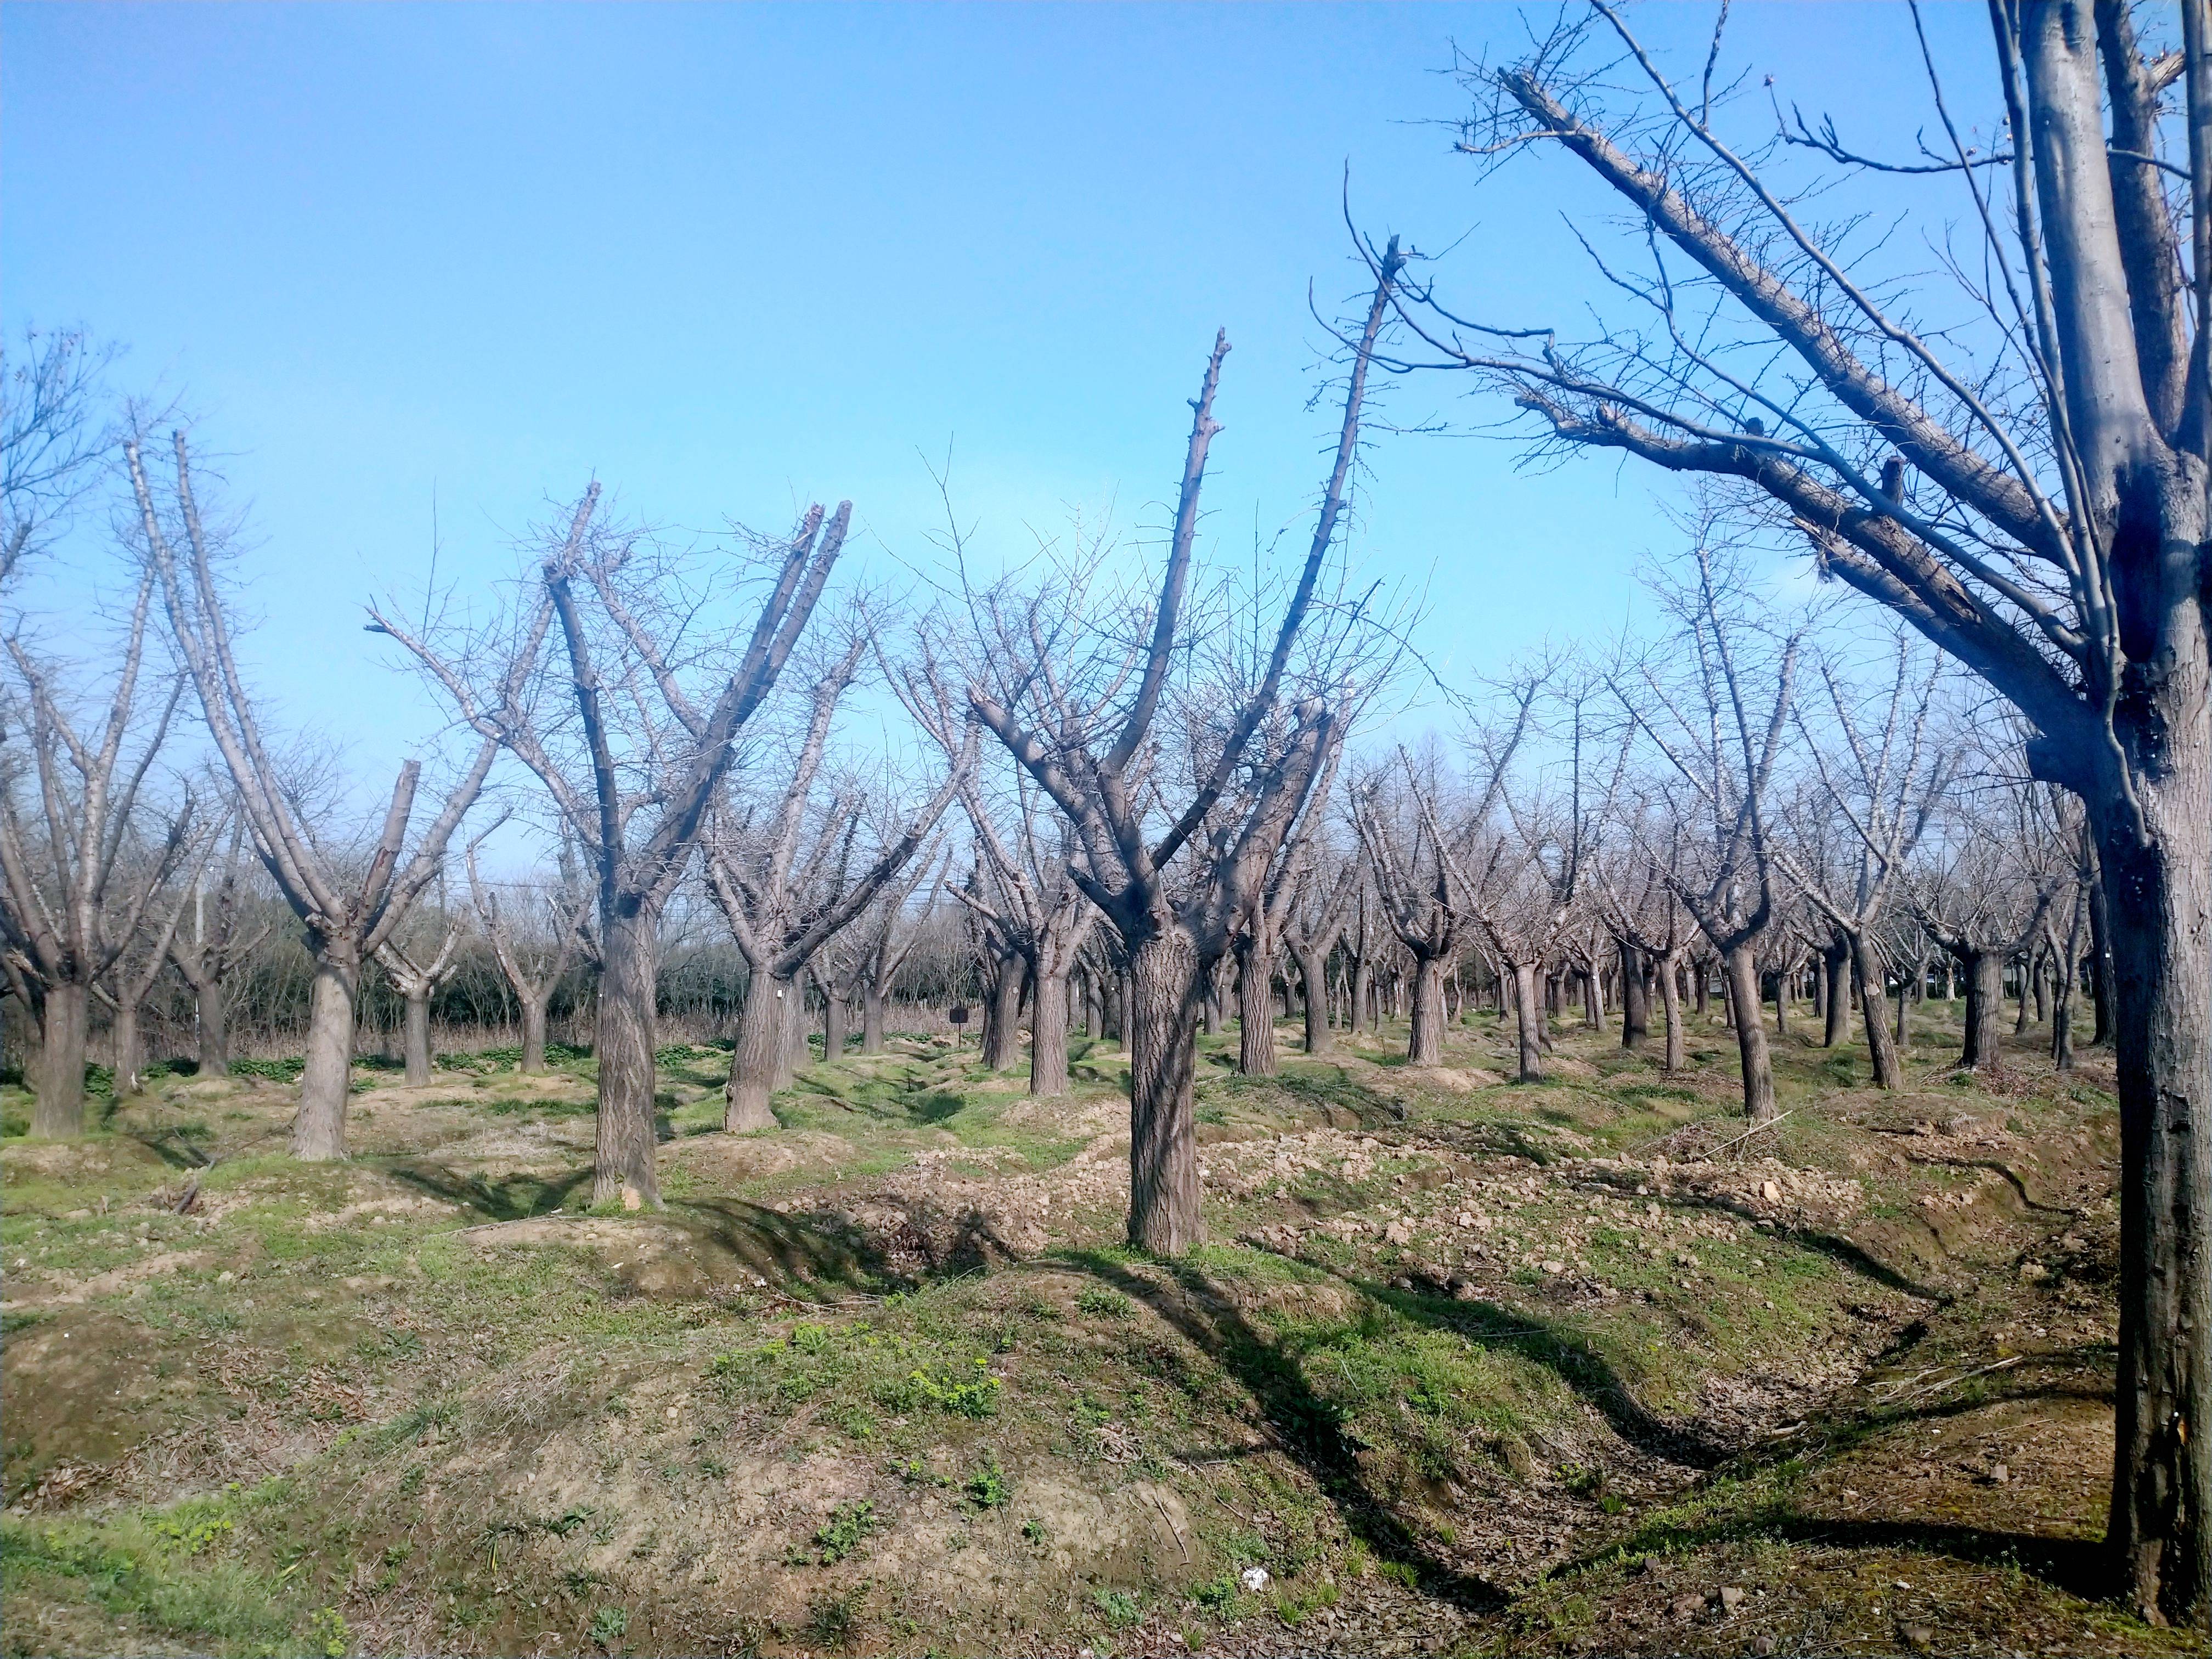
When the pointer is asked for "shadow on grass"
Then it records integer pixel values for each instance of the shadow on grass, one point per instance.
(512, 1198)
(1307, 1425)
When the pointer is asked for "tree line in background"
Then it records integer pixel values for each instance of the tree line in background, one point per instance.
(1156, 797)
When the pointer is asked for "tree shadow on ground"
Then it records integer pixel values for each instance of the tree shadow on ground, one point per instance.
(511, 1198)
(1305, 1424)
(1569, 1357)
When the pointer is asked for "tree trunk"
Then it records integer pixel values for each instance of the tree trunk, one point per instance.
(318, 1132)
(1874, 1009)
(795, 1051)
(124, 1038)
(1635, 997)
(1701, 989)
(214, 1034)
(417, 1048)
(1670, 998)
(1781, 1004)
(1984, 1004)
(1742, 973)
(871, 1020)
(57, 1113)
(2101, 960)
(625, 1038)
(1002, 1018)
(533, 1031)
(1047, 1035)
(833, 1026)
(1313, 975)
(1835, 961)
(1255, 1010)
(1163, 1190)
(763, 1042)
(1529, 1013)
(1117, 1007)
(2161, 897)
(1362, 994)
(1424, 1043)
(2027, 971)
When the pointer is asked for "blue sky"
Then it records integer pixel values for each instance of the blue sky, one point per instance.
(730, 259)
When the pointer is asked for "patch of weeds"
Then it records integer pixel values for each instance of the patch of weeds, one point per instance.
(1103, 1303)
(1034, 1533)
(608, 1625)
(846, 1529)
(832, 1615)
(329, 1634)
(976, 1396)
(412, 1479)
(570, 1520)
(987, 1489)
(1120, 1607)
(1218, 1594)
(1404, 1572)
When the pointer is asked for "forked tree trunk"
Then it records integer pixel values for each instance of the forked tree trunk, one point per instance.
(1424, 1043)
(1313, 975)
(318, 1131)
(214, 1034)
(57, 1113)
(1002, 1018)
(533, 1031)
(1750, 1035)
(1874, 1010)
(2160, 898)
(763, 1044)
(1635, 999)
(625, 1037)
(1529, 1013)
(418, 1040)
(871, 1020)
(1255, 1013)
(1984, 971)
(1047, 1035)
(1670, 998)
(1163, 1190)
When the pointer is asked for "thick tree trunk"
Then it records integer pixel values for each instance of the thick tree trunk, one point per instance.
(417, 1041)
(1750, 1035)
(1701, 989)
(533, 1032)
(1635, 999)
(796, 1051)
(2160, 898)
(1835, 962)
(1670, 998)
(123, 1037)
(871, 1020)
(1984, 1005)
(1163, 1190)
(1874, 1010)
(214, 1034)
(626, 1036)
(1313, 975)
(1424, 1043)
(57, 1112)
(1118, 1008)
(763, 1042)
(318, 1131)
(1002, 1017)
(1047, 1035)
(1363, 996)
(1256, 1011)
(1528, 1013)
(833, 1026)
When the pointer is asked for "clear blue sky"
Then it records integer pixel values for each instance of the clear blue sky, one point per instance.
(729, 258)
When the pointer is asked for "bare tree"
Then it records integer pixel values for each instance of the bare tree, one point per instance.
(53, 436)
(534, 956)
(418, 976)
(1884, 786)
(1316, 921)
(347, 921)
(2054, 538)
(1091, 755)
(781, 908)
(76, 880)
(631, 781)
(222, 937)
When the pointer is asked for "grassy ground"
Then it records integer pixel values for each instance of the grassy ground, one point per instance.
(1469, 1367)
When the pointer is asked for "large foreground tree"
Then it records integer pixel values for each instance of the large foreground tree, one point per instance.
(2017, 466)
